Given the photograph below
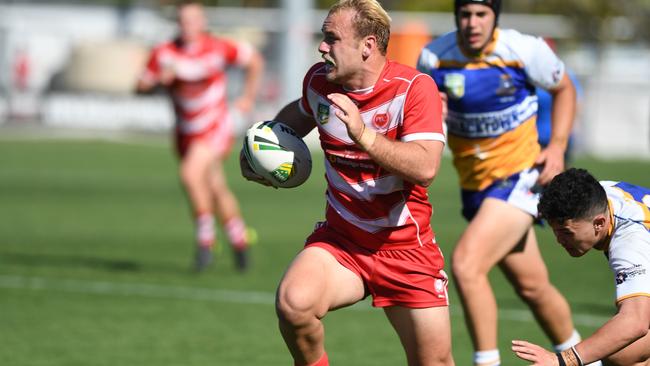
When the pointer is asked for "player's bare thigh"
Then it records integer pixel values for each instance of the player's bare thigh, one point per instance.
(524, 265)
(425, 333)
(495, 230)
(316, 282)
(634, 354)
(198, 158)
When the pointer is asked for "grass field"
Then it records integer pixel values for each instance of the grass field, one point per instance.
(95, 249)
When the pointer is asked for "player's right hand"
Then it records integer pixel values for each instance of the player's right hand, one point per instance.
(248, 173)
(533, 353)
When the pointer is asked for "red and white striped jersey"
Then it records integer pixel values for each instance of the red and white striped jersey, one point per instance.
(369, 204)
(199, 89)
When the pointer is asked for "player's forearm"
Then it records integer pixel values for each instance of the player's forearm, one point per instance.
(617, 333)
(563, 113)
(253, 76)
(415, 161)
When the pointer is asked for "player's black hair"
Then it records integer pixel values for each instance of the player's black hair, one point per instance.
(572, 195)
(495, 5)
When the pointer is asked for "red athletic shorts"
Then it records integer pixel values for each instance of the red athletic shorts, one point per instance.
(218, 137)
(412, 278)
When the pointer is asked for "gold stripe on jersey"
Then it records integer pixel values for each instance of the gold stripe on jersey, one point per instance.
(645, 209)
(480, 162)
(479, 64)
(636, 294)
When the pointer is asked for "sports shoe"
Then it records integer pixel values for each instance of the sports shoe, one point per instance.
(203, 258)
(251, 235)
(241, 259)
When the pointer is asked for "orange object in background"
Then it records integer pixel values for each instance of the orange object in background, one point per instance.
(407, 42)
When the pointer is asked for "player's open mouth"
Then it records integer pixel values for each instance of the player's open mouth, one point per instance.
(474, 37)
(329, 64)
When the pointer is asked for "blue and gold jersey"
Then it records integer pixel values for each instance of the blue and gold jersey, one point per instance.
(629, 247)
(492, 105)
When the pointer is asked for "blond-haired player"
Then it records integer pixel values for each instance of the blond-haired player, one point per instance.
(381, 131)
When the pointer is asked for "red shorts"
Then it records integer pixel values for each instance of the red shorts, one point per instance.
(412, 278)
(219, 138)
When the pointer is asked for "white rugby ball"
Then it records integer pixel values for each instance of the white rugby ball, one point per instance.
(277, 153)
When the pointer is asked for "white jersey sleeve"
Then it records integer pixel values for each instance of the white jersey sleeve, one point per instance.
(630, 262)
(543, 67)
(629, 248)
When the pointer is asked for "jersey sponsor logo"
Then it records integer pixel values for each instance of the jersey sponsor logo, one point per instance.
(629, 273)
(380, 120)
(352, 163)
(323, 113)
(455, 85)
(506, 85)
(491, 124)
(486, 126)
(557, 76)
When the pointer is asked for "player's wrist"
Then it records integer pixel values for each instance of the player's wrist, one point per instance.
(559, 142)
(366, 138)
(569, 357)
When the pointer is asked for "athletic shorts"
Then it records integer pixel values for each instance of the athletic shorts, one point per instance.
(520, 190)
(219, 138)
(412, 278)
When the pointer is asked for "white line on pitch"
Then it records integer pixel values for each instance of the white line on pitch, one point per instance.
(217, 295)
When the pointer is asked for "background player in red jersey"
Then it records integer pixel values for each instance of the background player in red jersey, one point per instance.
(192, 68)
(381, 132)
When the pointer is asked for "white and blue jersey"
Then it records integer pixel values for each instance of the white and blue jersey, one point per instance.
(629, 247)
(492, 105)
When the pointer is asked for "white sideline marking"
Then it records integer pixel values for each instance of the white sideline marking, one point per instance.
(219, 295)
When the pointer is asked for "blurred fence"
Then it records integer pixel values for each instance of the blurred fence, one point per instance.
(75, 66)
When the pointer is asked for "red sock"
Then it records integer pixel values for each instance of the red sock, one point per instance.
(322, 362)
(205, 232)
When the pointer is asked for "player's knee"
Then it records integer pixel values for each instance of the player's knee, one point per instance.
(443, 359)
(293, 308)
(464, 266)
(533, 291)
(188, 175)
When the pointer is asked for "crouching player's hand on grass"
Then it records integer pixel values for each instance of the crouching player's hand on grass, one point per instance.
(537, 355)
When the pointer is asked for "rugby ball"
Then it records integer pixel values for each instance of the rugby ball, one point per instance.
(275, 152)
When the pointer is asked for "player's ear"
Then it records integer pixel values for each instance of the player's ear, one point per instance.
(599, 222)
(369, 43)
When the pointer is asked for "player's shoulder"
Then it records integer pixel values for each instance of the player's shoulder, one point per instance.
(399, 72)
(397, 69)
(444, 47)
(514, 42)
(315, 76)
(317, 69)
(443, 44)
(213, 41)
(168, 45)
(608, 183)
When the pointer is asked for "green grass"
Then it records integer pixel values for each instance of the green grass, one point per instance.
(95, 249)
